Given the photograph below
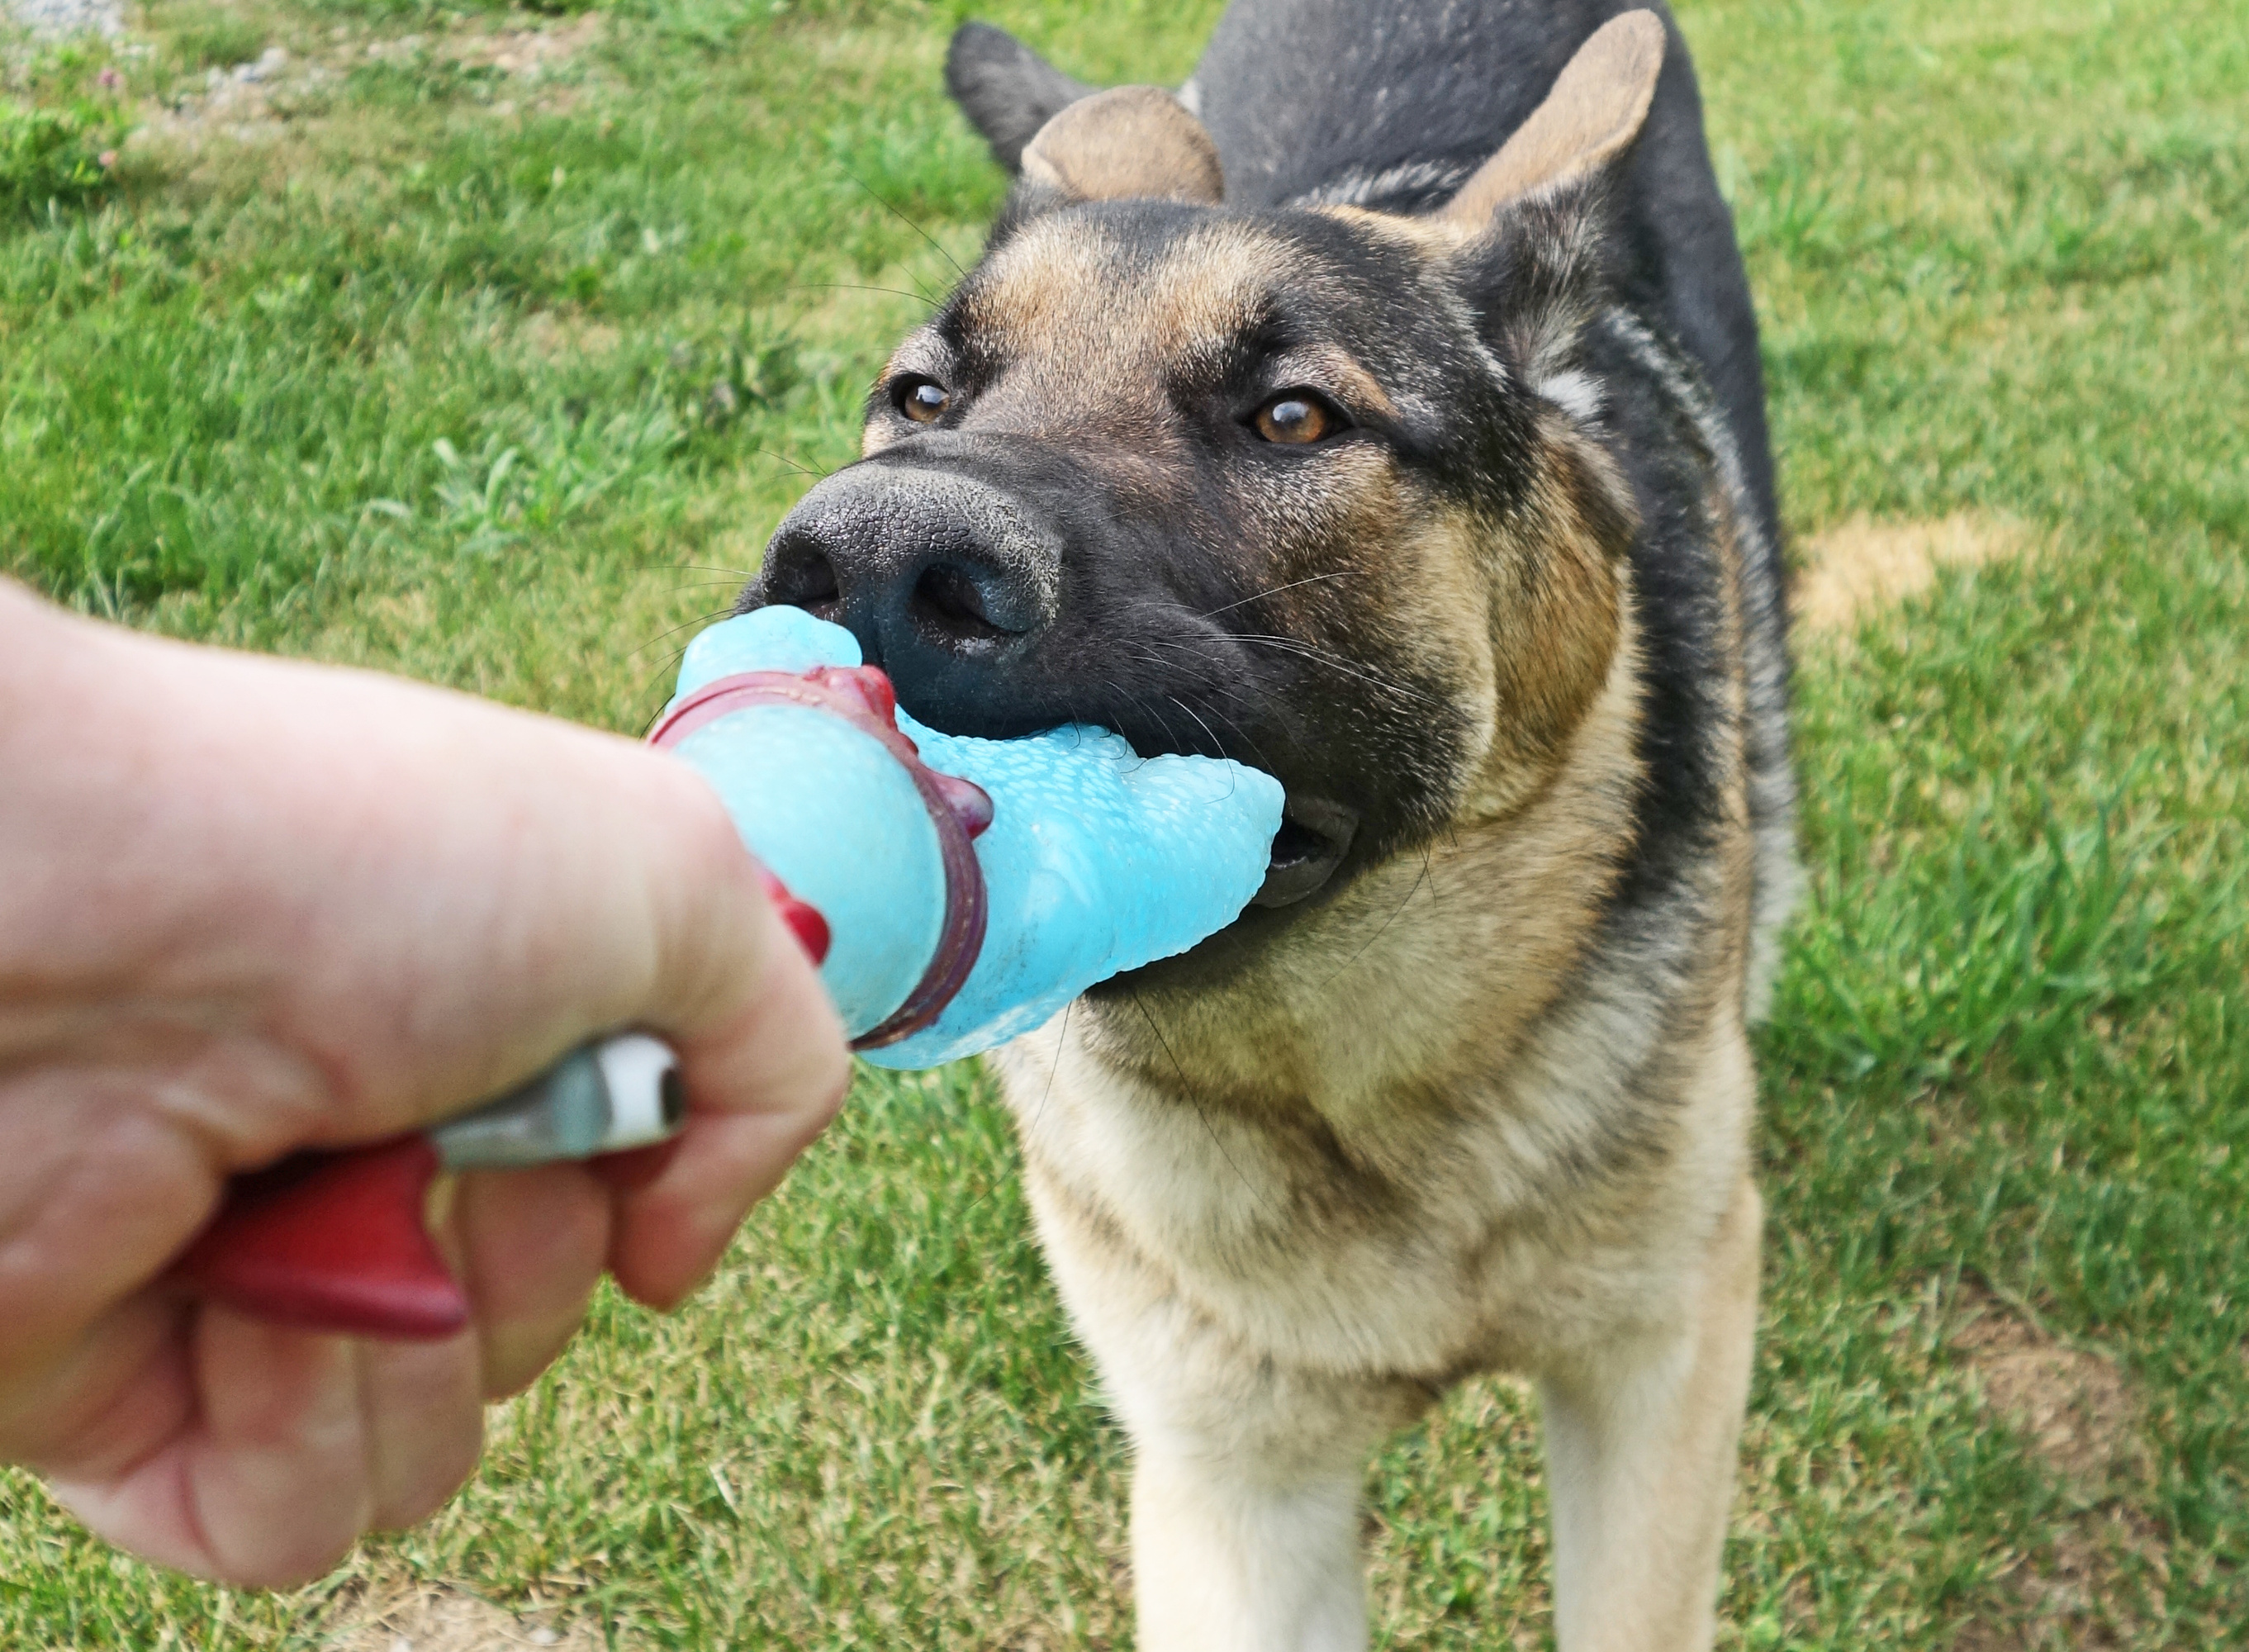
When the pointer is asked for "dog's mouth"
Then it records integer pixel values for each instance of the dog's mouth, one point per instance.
(1314, 836)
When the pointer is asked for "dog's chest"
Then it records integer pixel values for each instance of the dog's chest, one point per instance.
(1287, 1249)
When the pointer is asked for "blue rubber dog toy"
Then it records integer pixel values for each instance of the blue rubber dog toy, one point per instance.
(970, 888)
(957, 892)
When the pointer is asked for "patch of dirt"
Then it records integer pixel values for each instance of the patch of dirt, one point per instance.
(552, 336)
(2080, 1411)
(59, 19)
(2073, 1404)
(249, 103)
(428, 1618)
(2087, 1596)
(527, 53)
(1861, 565)
(256, 102)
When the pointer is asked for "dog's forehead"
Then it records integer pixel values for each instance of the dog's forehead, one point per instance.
(1122, 289)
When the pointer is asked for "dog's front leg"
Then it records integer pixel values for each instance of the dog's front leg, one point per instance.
(1225, 1560)
(1640, 1448)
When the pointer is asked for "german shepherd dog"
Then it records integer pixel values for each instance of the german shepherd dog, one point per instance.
(1382, 409)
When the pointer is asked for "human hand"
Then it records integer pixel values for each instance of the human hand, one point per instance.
(248, 907)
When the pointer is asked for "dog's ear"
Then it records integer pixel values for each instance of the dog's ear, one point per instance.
(1006, 89)
(1533, 220)
(1588, 120)
(1129, 142)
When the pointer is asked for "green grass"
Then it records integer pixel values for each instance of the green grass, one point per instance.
(497, 382)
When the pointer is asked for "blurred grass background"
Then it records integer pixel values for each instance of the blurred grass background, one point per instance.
(487, 346)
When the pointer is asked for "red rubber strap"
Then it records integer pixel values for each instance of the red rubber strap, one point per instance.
(959, 809)
(334, 1242)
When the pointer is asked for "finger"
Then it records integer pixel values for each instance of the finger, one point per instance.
(111, 1401)
(423, 1407)
(271, 1487)
(760, 1089)
(530, 1247)
(278, 1473)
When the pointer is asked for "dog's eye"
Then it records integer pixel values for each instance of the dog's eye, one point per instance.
(922, 400)
(1296, 417)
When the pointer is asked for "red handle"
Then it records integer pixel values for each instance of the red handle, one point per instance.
(336, 1241)
(339, 1242)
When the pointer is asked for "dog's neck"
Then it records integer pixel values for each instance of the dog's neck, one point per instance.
(1457, 947)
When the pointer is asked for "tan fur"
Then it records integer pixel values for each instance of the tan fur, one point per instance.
(1595, 110)
(1126, 143)
(1287, 1212)
(1284, 1218)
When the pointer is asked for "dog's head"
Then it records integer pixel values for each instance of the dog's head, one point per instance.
(1317, 490)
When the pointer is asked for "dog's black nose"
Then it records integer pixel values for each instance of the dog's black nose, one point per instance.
(944, 580)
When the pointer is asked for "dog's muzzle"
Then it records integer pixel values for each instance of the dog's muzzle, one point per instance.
(944, 579)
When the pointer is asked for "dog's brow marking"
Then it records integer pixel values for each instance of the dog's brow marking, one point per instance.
(1075, 300)
(1351, 379)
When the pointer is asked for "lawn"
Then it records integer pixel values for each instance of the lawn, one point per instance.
(487, 346)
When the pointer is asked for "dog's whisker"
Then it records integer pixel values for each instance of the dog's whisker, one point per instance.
(700, 619)
(670, 665)
(1061, 1043)
(1256, 749)
(706, 568)
(1140, 704)
(1148, 647)
(1187, 1091)
(1382, 929)
(1217, 746)
(1318, 655)
(1259, 597)
(1311, 651)
(800, 469)
(902, 218)
(861, 286)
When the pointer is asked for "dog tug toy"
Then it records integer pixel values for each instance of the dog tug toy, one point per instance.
(955, 892)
